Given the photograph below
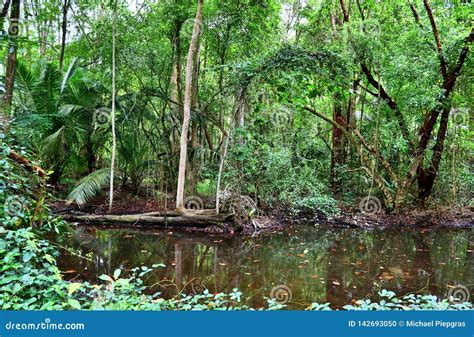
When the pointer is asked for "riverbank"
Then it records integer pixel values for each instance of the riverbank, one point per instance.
(268, 219)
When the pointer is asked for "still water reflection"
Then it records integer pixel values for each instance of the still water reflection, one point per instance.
(318, 264)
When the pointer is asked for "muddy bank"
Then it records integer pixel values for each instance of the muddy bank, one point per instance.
(276, 218)
(410, 218)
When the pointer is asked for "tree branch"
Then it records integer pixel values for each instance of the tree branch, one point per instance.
(391, 103)
(4, 12)
(448, 86)
(449, 82)
(344, 11)
(361, 11)
(362, 143)
(415, 14)
(443, 66)
(375, 94)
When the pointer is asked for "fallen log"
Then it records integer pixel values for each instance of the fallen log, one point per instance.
(187, 219)
(26, 164)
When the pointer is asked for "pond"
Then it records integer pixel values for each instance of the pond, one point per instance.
(301, 264)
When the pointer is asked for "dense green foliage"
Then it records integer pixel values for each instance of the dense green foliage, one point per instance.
(262, 70)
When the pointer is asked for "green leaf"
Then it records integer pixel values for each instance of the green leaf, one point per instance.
(74, 304)
(73, 287)
(117, 273)
(106, 278)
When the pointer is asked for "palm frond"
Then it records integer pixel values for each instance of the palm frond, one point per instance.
(25, 77)
(71, 70)
(89, 186)
(68, 109)
(45, 91)
(54, 145)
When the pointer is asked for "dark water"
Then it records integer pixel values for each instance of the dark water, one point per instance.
(317, 264)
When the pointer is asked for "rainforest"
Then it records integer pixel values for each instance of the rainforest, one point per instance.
(236, 155)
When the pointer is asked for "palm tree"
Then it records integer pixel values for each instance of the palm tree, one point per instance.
(62, 108)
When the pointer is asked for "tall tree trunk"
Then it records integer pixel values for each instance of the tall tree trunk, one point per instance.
(11, 62)
(338, 139)
(64, 32)
(354, 97)
(193, 162)
(187, 108)
(114, 141)
(219, 175)
(337, 158)
(194, 98)
(177, 45)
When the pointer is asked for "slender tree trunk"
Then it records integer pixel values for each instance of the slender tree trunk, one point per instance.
(219, 176)
(114, 141)
(179, 91)
(194, 97)
(337, 158)
(345, 12)
(64, 32)
(11, 63)
(350, 117)
(193, 162)
(338, 139)
(187, 108)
